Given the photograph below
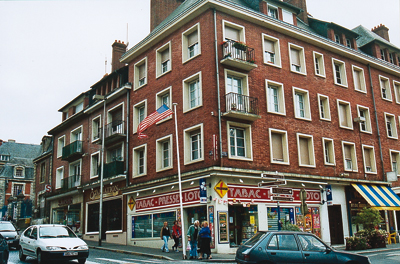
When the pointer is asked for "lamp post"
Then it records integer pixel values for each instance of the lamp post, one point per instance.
(104, 98)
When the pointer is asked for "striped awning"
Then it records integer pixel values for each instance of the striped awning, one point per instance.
(378, 196)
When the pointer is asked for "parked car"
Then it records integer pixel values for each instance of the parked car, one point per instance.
(4, 251)
(9, 233)
(292, 247)
(52, 242)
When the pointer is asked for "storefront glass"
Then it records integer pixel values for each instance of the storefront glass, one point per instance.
(243, 223)
(112, 216)
(146, 226)
(196, 213)
(67, 215)
(286, 216)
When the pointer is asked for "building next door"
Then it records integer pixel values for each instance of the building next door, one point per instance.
(336, 224)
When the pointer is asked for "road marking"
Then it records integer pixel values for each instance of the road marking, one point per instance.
(115, 260)
(147, 261)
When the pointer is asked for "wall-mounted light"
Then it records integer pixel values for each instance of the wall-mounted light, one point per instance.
(192, 183)
(154, 190)
(241, 181)
(303, 185)
(172, 187)
(137, 194)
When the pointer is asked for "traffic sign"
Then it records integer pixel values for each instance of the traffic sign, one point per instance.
(282, 198)
(278, 190)
(221, 188)
(271, 183)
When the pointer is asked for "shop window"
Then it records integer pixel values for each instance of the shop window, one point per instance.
(243, 223)
(305, 147)
(365, 119)
(147, 226)
(297, 59)
(359, 79)
(339, 72)
(310, 222)
(396, 86)
(191, 43)
(345, 119)
(323, 106)
(369, 159)
(192, 92)
(286, 216)
(385, 88)
(140, 77)
(329, 151)
(349, 156)
(319, 65)
(139, 114)
(391, 129)
(113, 222)
(272, 55)
(302, 104)
(283, 242)
(139, 166)
(278, 146)
(395, 161)
(275, 98)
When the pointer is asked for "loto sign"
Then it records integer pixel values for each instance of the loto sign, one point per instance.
(167, 200)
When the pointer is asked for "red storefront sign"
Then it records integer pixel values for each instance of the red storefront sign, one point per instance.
(191, 196)
(255, 194)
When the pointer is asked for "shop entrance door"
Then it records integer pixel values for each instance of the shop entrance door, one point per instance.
(336, 224)
(243, 223)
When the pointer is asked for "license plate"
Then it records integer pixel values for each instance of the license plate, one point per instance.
(66, 254)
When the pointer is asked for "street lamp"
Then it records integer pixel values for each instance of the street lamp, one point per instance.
(101, 97)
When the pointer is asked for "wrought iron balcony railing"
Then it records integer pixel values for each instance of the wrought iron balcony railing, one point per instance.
(238, 50)
(70, 182)
(241, 103)
(113, 168)
(72, 150)
(116, 127)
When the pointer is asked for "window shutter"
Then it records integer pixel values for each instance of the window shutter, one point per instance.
(232, 33)
(343, 115)
(304, 153)
(269, 46)
(192, 38)
(142, 71)
(367, 157)
(295, 54)
(277, 148)
(347, 152)
(165, 55)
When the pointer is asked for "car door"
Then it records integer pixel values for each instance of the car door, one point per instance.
(25, 241)
(283, 249)
(314, 251)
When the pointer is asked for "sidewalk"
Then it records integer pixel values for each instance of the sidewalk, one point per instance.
(156, 253)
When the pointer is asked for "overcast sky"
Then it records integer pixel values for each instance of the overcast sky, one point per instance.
(51, 51)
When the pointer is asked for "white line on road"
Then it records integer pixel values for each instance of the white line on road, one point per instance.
(147, 261)
(115, 260)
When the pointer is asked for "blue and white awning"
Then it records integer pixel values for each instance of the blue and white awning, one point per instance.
(378, 196)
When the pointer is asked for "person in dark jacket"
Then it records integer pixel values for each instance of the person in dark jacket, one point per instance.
(176, 234)
(192, 234)
(205, 235)
(165, 234)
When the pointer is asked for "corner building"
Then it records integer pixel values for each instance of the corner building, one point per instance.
(264, 93)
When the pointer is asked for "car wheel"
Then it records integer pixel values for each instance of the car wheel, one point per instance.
(22, 257)
(40, 259)
(81, 261)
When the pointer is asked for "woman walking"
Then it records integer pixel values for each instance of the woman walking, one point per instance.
(176, 234)
(205, 235)
(165, 234)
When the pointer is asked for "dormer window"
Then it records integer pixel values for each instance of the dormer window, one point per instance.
(383, 54)
(79, 107)
(337, 38)
(19, 172)
(287, 17)
(348, 43)
(273, 11)
(4, 157)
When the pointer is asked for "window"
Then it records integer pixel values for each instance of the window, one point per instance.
(349, 156)
(60, 146)
(163, 58)
(348, 43)
(275, 97)
(310, 243)
(74, 179)
(140, 75)
(96, 128)
(359, 79)
(329, 151)
(139, 114)
(391, 58)
(369, 159)
(191, 43)
(76, 134)
(4, 157)
(233, 31)
(283, 242)
(323, 106)
(287, 17)
(79, 107)
(19, 172)
(345, 119)
(192, 92)
(94, 165)
(164, 153)
(272, 55)
(305, 150)
(337, 38)
(194, 144)
(273, 11)
(278, 143)
(364, 119)
(395, 161)
(396, 87)
(17, 189)
(301, 104)
(236, 85)
(391, 129)
(139, 166)
(164, 97)
(115, 153)
(339, 72)
(319, 65)
(240, 145)
(383, 54)
(297, 60)
(385, 88)
(42, 172)
(59, 177)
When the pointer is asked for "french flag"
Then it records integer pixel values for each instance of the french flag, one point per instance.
(153, 118)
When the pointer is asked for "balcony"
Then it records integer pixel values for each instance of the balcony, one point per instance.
(114, 131)
(113, 168)
(241, 107)
(70, 182)
(72, 151)
(238, 55)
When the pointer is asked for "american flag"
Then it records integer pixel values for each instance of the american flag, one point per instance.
(153, 118)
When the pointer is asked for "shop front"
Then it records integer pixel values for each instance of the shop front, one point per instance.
(67, 210)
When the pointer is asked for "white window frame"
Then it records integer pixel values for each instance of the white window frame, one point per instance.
(109, 114)
(372, 159)
(285, 146)
(393, 125)
(331, 151)
(159, 51)
(92, 175)
(248, 141)
(18, 183)
(136, 81)
(310, 145)
(186, 91)
(159, 102)
(353, 156)
(187, 144)
(397, 153)
(59, 180)
(274, 8)
(343, 74)
(94, 127)
(160, 156)
(135, 118)
(22, 172)
(367, 119)
(243, 76)
(59, 149)
(302, 58)
(135, 163)
(306, 103)
(241, 29)
(348, 114)
(73, 132)
(110, 149)
(327, 109)
(281, 97)
(396, 88)
(287, 17)
(277, 49)
(72, 164)
(185, 45)
(362, 79)
(388, 89)
(321, 64)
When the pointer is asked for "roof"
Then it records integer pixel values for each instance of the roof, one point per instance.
(367, 36)
(73, 101)
(321, 27)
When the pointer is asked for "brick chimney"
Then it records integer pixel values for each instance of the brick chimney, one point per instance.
(381, 31)
(161, 9)
(119, 48)
(302, 5)
(1, 142)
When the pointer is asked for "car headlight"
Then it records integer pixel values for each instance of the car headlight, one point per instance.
(53, 248)
(82, 247)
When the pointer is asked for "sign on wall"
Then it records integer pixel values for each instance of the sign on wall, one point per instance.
(223, 227)
(221, 188)
(203, 191)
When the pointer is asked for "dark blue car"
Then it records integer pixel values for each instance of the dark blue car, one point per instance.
(284, 247)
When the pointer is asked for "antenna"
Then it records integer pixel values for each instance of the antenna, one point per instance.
(127, 33)
(105, 65)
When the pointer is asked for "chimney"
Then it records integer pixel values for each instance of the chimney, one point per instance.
(119, 48)
(381, 31)
(11, 141)
(303, 6)
(161, 9)
(1, 142)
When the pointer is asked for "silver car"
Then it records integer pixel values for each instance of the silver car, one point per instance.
(52, 242)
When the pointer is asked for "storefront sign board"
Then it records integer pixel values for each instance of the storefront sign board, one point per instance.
(65, 201)
(108, 191)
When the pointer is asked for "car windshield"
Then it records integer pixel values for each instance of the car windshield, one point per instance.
(252, 241)
(55, 231)
(6, 227)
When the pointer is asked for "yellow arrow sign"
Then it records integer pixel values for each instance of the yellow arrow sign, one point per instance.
(131, 203)
(221, 188)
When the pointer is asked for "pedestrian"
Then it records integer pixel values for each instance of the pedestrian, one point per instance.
(165, 234)
(205, 235)
(192, 235)
(199, 242)
(176, 234)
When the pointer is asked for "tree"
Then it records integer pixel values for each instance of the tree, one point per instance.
(369, 218)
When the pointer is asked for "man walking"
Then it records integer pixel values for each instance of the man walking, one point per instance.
(192, 234)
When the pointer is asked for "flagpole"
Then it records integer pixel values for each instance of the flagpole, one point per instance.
(180, 186)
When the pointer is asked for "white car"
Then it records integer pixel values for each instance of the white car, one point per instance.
(52, 242)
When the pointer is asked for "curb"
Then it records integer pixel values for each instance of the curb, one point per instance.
(373, 251)
(132, 253)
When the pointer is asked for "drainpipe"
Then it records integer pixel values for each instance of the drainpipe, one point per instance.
(377, 123)
(127, 137)
(218, 92)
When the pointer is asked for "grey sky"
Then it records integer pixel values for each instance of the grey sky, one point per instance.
(51, 51)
